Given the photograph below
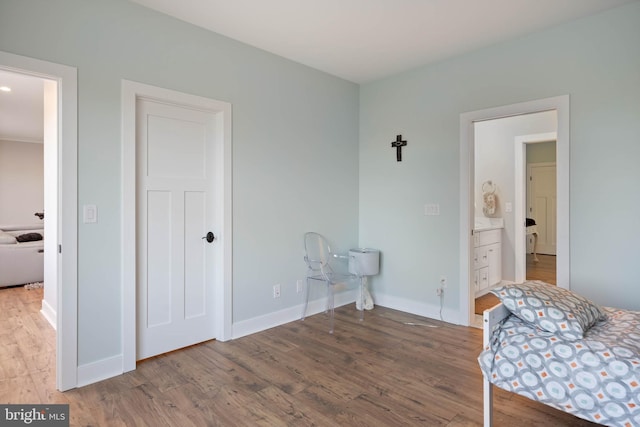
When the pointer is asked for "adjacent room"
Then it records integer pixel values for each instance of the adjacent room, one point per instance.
(446, 151)
(22, 204)
(22, 181)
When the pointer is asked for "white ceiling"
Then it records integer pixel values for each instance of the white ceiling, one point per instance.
(364, 40)
(358, 40)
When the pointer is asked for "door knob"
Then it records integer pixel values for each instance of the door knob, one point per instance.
(210, 237)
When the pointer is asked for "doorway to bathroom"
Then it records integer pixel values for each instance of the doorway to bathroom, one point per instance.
(498, 222)
(506, 193)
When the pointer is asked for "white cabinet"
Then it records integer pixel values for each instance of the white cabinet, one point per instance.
(487, 260)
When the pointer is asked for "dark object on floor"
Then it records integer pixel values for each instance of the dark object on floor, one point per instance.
(29, 237)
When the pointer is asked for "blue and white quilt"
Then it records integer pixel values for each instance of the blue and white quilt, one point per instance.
(596, 378)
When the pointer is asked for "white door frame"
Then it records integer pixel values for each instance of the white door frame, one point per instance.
(131, 91)
(467, 212)
(520, 203)
(67, 209)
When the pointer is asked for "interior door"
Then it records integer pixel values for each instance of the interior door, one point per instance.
(174, 187)
(542, 205)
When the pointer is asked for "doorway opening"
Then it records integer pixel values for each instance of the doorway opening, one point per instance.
(28, 188)
(60, 203)
(540, 187)
(534, 207)
(510, 203)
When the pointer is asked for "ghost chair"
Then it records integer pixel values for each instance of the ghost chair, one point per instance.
(318, 257)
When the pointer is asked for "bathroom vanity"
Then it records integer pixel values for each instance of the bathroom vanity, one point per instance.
(487, 254)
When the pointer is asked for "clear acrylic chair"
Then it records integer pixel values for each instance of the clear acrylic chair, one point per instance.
(318, 257)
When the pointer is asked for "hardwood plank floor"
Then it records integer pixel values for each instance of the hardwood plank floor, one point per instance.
(380, 372)
(544, 270)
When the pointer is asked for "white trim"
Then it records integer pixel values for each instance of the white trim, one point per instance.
(49, 313)
(67, 298)
(411, 306)
(223, 298)
(519, 240)
(291, 314)
(128, 230)
(561, 105)
(100, 370)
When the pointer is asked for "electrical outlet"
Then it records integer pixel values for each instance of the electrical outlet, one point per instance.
(276, 291)
(443, 282)
(298, 286)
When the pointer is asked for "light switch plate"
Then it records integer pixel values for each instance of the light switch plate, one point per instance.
(432, 209)
(89, 214)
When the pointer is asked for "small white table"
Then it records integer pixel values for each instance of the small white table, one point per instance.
(533, 230)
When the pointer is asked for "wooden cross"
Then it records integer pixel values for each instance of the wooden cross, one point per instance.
(398, 144)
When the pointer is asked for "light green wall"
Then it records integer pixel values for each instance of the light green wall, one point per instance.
(595, 60)
(295, 145)
(296, 161)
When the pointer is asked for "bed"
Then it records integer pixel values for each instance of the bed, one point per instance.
(556, 347)
(21, 254)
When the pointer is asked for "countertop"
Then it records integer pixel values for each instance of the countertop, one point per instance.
(485, 224)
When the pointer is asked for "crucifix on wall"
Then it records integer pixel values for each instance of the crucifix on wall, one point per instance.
(398, 144)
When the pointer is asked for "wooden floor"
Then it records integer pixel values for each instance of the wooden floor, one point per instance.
(393, 369)
(544, 269)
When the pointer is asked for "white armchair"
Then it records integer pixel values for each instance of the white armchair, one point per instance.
(318, 257)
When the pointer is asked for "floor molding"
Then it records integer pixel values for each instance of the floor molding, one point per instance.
(419, 308)
(291, 314)
(49, 313)
(100, 370)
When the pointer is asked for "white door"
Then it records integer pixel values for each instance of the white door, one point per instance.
(542, 205)
(174, 194)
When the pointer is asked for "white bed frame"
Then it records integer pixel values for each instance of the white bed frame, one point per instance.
(490, 318)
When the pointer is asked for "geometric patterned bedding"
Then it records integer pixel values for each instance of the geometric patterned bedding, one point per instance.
(596, 378)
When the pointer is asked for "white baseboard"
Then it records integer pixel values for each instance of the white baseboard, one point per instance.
(49, 313)
(417, 308)
(268, 321)
(261, 323)
(111, 367)
(100, 370)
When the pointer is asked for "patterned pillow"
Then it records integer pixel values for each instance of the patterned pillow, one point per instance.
(550, 308)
